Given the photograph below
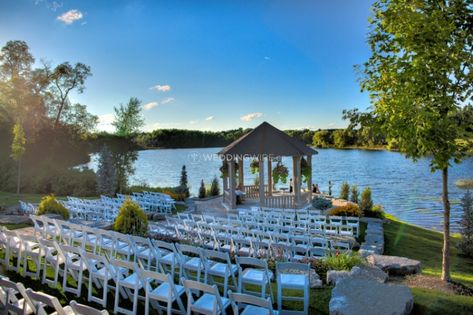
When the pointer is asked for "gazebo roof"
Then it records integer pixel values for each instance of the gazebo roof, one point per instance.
(267, 140)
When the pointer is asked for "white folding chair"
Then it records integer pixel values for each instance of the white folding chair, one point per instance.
(13, 250)
(293, 276)
(15, 300)
(81, 309)
(53, 259)
(100, 273)
(43, 301)
(160, 287)
(245, 304)
(168, 257)
(192, 260)
(74, 266)
(31, 251)
(255, 272)
(204, 299)
(219, 266)
(127, 280)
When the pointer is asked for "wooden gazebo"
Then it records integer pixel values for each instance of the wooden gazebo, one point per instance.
(265, 142)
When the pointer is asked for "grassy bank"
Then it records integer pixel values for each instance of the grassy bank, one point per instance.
(402, 239)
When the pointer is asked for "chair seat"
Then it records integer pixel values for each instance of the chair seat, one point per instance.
(102, 274)
(131, 281)
(256, 310)
(169, 259)
(67, 309)
(255, 276)
(194, 263)
(206, 302)
(19, 305)
(144, 253)
(293, 280)
(162, 291)
(219, 269)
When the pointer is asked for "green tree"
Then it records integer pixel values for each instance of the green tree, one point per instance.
(183, 183)
(419, 77)
(106, 173)
(131, 219)
(202, 189)
(344, 191)
(340, 138)
(322, 139)
(214, 188)
(18, 149)
(366, 203)
(466, 225)
(128, 118)
(355, 195)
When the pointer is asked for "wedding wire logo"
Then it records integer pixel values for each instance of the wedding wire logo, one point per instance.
(196, 156)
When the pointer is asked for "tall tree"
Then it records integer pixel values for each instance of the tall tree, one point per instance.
(18, 149)
(106, 173)
(65, 78)
(128, 118)
(419, 77)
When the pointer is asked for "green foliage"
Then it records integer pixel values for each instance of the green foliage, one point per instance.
(280, 173)
(306, 169)
(342, 261)
(173, 192)
(321, 203)
(214, 187)
(183, 184)
(19, 142)
(254, 166)
(64, 182)
(366, 203)
(322, 139)
(131, 219)
(348, 210)
(106, 173)
(466, 225)
(128, 118)
(202, 192)
(49, 204)
(344, 191)
(355, 195)
(376, 212)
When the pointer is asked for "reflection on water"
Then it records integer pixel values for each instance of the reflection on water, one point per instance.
(406, 189)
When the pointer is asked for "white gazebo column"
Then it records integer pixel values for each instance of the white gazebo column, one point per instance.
(270, 177)
(231, 172)
(309, 178)
(241, 178)
(261, 181)
(296, 179)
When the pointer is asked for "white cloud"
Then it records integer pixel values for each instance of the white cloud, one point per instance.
(210, 118)
(193, 122)
(70, 16)
(161, 88)
(150, 105)
(267, 58)
(332, 124)
(105, 122)
(251, 116)
(167, 100)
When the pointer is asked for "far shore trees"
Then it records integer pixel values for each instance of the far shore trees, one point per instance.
(420, 81)
(128, 118)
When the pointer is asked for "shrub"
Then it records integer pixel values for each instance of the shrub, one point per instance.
(174, 192)
(319, 265)
(344, 191)
(49, 204)
(202, 189)
(342, 261)
(366, 203)
(131, 219)
(376, 212)
(355, 195)
(183, 185)
(321, 203)
(348, 210)
(214, 188)
(64, 182)
(466, 225)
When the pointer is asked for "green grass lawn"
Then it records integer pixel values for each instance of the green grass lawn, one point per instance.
(402, 239)
(11, 199)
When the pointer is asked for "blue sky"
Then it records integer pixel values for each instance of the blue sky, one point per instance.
(209, 65)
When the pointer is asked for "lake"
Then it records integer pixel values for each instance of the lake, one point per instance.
(406, 189)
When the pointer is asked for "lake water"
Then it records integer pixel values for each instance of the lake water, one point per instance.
(407, 190)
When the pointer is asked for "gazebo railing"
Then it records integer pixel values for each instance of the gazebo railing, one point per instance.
(281, 201)
(252, 191)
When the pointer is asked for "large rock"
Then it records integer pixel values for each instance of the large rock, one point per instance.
(368, 273)
(395, 265)
(368, 297)
(333, 276)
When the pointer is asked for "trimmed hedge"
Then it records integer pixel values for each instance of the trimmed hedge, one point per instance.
(348, 210)
(49, 204)
(131, 219)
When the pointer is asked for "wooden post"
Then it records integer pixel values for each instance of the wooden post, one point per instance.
(296, 169)
(270, 177)
(240, 174)
(309, 179)
(261, 181)
(225, 182)
(231, 172)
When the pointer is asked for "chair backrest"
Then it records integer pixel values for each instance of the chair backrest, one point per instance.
(195, 287)
(251, 262)
(40, 300)
(291, 267)
(81, 309)
(216, 255)
(10, 290)
(240, 300)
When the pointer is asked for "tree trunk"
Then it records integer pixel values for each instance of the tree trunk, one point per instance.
(18, 178)
(446, 227)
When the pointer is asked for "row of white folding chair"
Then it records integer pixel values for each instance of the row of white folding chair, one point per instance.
(16, 299)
